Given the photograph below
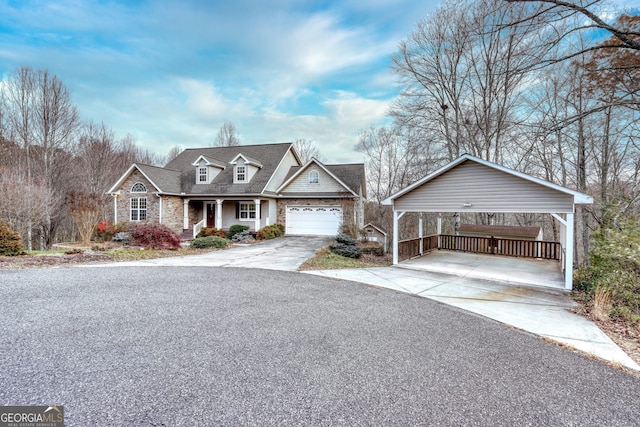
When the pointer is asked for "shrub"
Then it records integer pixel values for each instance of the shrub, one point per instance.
(613, 276)
(270, 232)
(123, 237)
(104, 231)
(154, 236)
(237, 228)
(349, 251)
(209, 242)
(211, 231)
(242, 236)
(10, 241)
(347, 240)
(376, 250)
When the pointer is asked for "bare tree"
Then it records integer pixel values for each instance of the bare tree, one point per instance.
(462, 85)
(227, 136)
(556, 11)
(173, 153)
(23, 203)
(307, 149)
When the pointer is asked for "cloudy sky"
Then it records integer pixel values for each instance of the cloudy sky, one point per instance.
(171, 72)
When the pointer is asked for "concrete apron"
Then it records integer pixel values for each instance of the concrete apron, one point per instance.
(541, 311)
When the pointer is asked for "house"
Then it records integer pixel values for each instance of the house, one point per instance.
(253, 185)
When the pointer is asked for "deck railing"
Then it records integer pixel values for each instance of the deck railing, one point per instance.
(481, 245)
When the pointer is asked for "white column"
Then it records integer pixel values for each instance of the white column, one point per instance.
(395, 237)
(420, 232)
(219, 214)
(439, 228)
(568, 259)
(185, 213)
(160, 209)
(115, 208)
(205, 207)
(257, 221)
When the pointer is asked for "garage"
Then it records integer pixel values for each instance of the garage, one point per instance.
(313, 220)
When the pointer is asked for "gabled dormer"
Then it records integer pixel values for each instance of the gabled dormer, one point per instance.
(207, 169)
(244, 168)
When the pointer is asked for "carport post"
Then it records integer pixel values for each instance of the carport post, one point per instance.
(420, 233)
(396, 217)
(568, 258)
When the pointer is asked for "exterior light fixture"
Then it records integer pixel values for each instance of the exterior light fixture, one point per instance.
(466, 205)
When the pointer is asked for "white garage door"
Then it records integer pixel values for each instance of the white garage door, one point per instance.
(314, 220)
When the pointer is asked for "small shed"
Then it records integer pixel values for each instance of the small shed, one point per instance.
(374, 233)
(471, 184)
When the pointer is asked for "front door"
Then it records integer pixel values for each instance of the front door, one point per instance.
(211, 215)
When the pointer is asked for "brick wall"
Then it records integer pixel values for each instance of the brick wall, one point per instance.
(153, 202)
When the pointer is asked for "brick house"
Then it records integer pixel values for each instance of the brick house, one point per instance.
(254, 185)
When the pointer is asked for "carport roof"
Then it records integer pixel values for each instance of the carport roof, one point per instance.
(578, 197)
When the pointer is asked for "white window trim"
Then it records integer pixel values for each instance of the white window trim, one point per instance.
(199, 175)
(134, 186)
(236, 173)
(138, 210)
(314, 177)
(248, 211)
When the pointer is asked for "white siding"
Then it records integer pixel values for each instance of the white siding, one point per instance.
(326, 184)
(486, 190)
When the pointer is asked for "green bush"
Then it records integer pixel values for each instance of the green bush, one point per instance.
(349, 251)
(347, 240)
(211, 231)
(242, 236)
(153, 236)
(270, 232)
(209, 242)
(10, 241)
(615, 264)
(235, 229)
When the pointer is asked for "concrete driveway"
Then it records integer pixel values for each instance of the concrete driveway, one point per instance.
(284, 254)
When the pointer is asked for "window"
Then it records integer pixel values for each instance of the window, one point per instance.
(247, 211)
(241, 173)
(202, 174)
(138, 187)
(314, 177)
(138, 208)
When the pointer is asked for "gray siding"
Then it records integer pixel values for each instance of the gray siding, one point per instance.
(326, 184)
(486, 189)
(278, 177)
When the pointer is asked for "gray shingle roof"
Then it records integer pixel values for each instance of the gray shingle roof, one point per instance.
(270, 156)
(167, 180)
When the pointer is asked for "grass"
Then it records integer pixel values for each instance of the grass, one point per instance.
(327, 260)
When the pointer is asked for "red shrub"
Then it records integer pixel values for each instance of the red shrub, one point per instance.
(154, 236)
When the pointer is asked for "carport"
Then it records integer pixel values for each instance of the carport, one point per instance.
(470, 184)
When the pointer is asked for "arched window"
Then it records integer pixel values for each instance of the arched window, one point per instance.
(314, 177)
(138, 187)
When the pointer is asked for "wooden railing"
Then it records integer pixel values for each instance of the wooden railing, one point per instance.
(481, 245)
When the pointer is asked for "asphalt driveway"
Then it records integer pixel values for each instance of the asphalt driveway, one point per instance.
(225, 346)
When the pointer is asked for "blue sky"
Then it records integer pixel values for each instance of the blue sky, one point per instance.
(171, 72)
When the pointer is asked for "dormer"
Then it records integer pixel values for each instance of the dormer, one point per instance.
(207, 169)
(244, 168)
